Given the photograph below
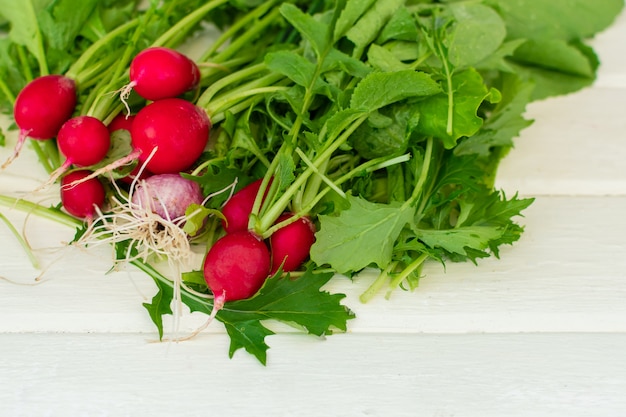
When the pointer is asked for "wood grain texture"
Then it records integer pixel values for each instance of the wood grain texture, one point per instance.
(479, 375)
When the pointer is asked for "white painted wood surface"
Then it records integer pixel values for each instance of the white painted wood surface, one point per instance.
(540, 332)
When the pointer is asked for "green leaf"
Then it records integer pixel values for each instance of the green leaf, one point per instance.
(478, 32)
(296, 301)
(22, 16)
(469, 92)
(369, 25)
(384, 60)
(555, 55)
(160, 304)
(63, 20)
(458, 240)
(505, 122)
(349, 15)
(316, 32)
(556, 19)
(360, 236)
(381, 89)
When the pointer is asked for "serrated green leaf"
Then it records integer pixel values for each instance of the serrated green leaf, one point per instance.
(380, 89)
(360, 236)
(459, 240)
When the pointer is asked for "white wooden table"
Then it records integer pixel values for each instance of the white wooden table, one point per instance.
(541, 332)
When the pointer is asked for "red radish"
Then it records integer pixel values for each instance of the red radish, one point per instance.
(167, 195)
(290, 245)
(157, 73)
(237, 209)
(84, 140)
(41, 108)
(81, 200)
(236, 266)
(171, 132)
(121, 122)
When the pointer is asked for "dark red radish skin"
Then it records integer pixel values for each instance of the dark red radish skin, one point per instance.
(168, 195)
(80, 200)
(157, 73)
(121, 122)
(236, 266)
(41, 108)
(84, 140)
(44, 105)
(237, 209)
(176, 128)
(290, 246)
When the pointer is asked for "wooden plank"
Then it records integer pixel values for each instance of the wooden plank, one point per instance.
(480, 375)
(566, 274)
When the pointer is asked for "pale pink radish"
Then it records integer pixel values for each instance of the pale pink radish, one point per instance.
(168, 195)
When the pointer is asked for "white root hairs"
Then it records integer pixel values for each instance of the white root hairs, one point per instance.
(150, 236)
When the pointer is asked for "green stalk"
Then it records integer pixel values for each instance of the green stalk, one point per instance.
(28, 74)
(7, 91)
(31, 256)
(41, 156)
(229, 100)
(231, 31)
(269, 217)
(77, 67)
(378, 283)
(417, 191)
(208, 94)
(405, 273)
(39, 210)
(247, 37)
(179, 31)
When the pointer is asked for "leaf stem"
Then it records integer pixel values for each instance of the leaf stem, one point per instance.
(29, 252)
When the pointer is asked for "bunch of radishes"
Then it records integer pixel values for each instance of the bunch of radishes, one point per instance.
(168, 136)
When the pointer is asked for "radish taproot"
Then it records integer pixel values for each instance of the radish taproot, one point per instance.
(41, 108)
(80, 198)
(236, 266)
(158, 72)
(290, 245)
(168, 195)
(169, 135)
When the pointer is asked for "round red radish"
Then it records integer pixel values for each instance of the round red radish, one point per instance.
(81, 200)
(121, 122)
(41, 108)
(84, 140)
(178, 129)
(158, 72)
(290, 245)
(168, 195)
(237, 209)
(236, 266)
(44, 105)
